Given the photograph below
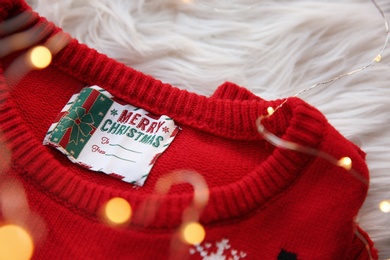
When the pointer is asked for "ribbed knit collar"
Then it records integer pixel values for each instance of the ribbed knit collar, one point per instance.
(218, 115)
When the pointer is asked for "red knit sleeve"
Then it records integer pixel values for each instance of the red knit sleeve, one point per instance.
(362, 247)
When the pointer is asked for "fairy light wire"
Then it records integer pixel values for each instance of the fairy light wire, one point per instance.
(278, 142)
(200, 204)
(365, 242)
(377, 58)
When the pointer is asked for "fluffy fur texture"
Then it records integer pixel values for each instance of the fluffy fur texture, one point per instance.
(275, 48)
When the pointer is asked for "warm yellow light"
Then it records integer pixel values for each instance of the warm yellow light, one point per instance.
(385, 206)
(346, 163)
(40, 57)
(270, 111)
(15, 243)
(118, 211)
(378, 58)
(193, 233)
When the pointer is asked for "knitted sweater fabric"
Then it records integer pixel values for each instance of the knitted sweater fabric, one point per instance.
(265, 202)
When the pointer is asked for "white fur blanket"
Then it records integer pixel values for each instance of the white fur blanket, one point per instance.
(274, 48)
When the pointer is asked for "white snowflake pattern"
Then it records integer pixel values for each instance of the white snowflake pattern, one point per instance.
(224, 251)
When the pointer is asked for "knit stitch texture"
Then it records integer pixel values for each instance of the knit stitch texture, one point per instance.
(265, 202)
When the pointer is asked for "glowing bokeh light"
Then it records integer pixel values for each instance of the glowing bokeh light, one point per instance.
(378, 58)
(118, 211)
(193, 233)
(346, 163)
(15, 243)
(385, 206)
(270, 111)
(40, 57)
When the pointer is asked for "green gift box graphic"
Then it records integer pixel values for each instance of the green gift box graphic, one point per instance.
(76, 126)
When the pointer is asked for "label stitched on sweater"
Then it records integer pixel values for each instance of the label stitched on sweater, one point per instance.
(102, 133)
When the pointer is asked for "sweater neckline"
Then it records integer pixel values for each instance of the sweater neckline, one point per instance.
(233, 119)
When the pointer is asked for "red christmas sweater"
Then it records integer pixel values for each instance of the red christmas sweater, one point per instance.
(264, 202)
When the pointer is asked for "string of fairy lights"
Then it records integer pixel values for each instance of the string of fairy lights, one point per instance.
(15, 240)
(344, 162)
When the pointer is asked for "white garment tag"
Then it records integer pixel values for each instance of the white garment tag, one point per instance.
(102, 133)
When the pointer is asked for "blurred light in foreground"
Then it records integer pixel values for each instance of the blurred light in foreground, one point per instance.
(15, 243)
(385, 206)
(40, 57)
(201, 191)
(117, 211)
(346, 163)
(193, 233)
(13, 201)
